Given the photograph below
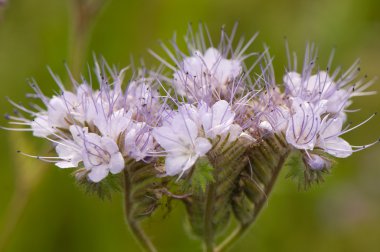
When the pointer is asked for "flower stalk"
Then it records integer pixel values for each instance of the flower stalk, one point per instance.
(132, 223)
(208, 223)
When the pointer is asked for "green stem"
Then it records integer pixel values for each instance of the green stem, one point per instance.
(134, 226)
(209, 212)
(242, 229)
(231, 239)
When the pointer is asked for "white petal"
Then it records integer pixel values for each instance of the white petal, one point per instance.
(338, 101)
(116, 164)
(109, 145)
(222, 113)
(70, 155)
(138, 150)
(234, 131)
(207, 124)
(190, 112)
(114, 125)
(177, 164)
(265, 125)
(41, 126)
(57, 112)
(218, 121)
(211, 57)
(65, 164)
(181, 132)
(78, 133)
(319, 83)
(338, 147)
(98, 173)
(292, 81)
(184, 126)
(331, 127)
(166, 138)
(226, 70)
(202, 146)
(303, 125)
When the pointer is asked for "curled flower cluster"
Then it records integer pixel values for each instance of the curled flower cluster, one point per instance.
(96, 129)
(313, 109)
(209, 95)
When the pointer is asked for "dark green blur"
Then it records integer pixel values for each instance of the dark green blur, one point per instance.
(50, 213)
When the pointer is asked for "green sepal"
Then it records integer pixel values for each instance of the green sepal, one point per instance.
(141, 189)
(103, 189)
(209, 207)
(266, 159)
(305, 176)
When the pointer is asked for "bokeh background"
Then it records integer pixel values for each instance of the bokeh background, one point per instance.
(41, 208)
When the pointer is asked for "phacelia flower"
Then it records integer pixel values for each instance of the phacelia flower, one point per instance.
(203, 73)
(179, 137)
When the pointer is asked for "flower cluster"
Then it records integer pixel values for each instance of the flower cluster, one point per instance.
(313, 109)
(174, 119)
(96, 129)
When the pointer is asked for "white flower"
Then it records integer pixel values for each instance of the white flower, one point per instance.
(275, 120)
(182, 144)
(329, 140)
(138, 141)
(293, 83)
(223, 70)
(70, 151)
(316, 88)
(337, 102)
(140, 94)
(310, 88)
(114, 124)
(304, 124)
(41, 126)
(200, 74)
(101, 155)
(218, 121)
(60, 108)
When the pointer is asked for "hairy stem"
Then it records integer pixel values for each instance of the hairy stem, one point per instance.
(134, 226)
(241, 229)
(209, 211)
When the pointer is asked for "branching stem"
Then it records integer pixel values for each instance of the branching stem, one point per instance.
(209, 212)
(134, 226)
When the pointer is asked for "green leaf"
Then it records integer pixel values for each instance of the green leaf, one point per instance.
(203, 174)
(295, 167)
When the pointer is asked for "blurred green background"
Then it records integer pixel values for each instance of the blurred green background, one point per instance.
(41, 208)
